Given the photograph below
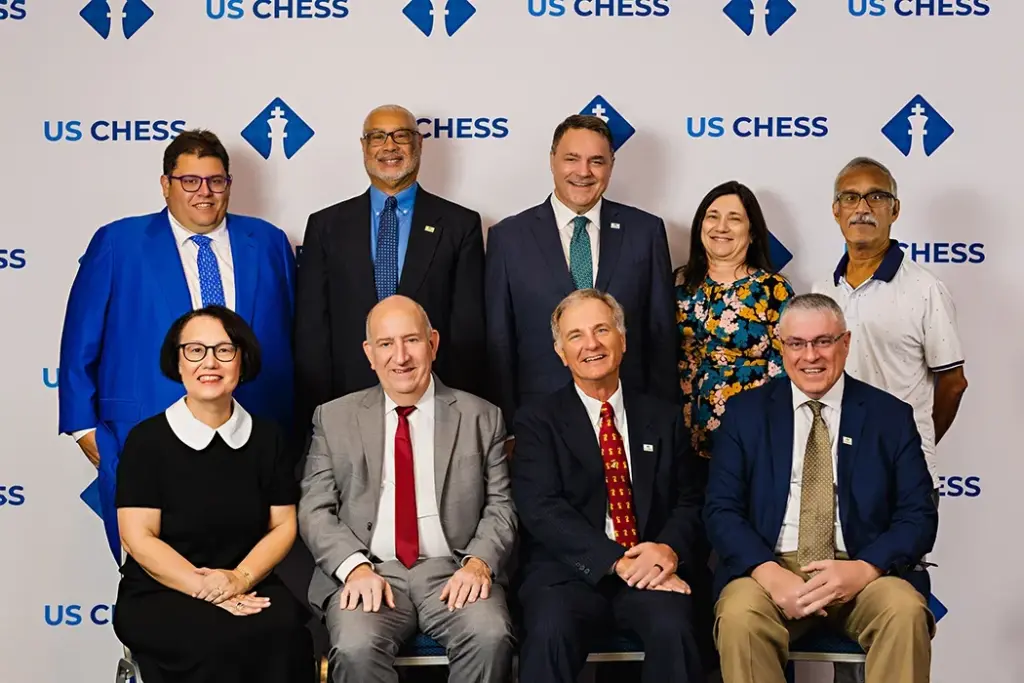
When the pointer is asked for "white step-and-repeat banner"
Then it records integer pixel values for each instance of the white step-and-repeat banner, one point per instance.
(777, 94)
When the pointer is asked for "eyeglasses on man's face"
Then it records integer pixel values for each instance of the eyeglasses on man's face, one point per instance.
(875, 200)
(820, 343)
(192, 183)
(196, 352)
(402, 136)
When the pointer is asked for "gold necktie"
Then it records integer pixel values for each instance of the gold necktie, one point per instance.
(817, 495)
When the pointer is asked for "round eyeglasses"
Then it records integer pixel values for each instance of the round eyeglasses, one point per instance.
(192, 183)
(196, 353)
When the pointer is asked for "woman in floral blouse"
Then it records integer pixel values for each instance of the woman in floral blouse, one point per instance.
(728, 302)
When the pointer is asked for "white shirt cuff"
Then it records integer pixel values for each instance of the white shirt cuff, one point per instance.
(353, 561)
(77, 436)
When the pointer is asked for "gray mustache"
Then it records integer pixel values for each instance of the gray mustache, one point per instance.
(863, 218)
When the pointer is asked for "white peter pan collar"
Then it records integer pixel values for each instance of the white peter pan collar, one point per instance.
(198, 436)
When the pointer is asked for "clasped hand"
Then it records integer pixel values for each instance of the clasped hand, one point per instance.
(651, 566)
(218, 585)
(836, 582)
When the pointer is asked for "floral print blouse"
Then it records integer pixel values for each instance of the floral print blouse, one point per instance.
(727, 345)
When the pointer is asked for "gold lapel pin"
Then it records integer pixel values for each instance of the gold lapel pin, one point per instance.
(429, 228)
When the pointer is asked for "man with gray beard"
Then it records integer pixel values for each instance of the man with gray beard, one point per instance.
(395, 238)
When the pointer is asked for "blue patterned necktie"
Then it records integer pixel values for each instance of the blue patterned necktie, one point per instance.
(385, 267)
(210, 284)
(581, 260)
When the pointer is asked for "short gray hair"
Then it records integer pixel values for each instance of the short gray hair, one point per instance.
(814, 302)
(423, 312)
(393, 108)
(865, 162)
(618, 315)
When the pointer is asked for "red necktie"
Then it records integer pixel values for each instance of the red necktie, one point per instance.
(407, 542)
(616, 479)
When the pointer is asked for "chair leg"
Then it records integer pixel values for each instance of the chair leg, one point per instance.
(790, 672)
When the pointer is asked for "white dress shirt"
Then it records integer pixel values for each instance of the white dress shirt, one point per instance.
(789, 538)
(593, 407)
(188, 251)
(564, 219)
(198, 435)
(431, 535)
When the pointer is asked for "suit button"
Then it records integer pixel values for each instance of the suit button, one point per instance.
(586, 571)
(369, 525)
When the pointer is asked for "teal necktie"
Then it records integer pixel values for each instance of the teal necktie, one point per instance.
(581, 261)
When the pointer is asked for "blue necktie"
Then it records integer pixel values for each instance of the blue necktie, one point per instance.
(210, 284)
(385, 268)
(581, 259)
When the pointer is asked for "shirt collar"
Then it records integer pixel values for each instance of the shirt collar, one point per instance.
(564, 215)
(886, 270)
(197, 436)
(593, 406)
(425, 404)
(183, 234)
(406, 199)
(833, 398)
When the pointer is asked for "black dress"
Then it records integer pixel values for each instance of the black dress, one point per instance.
(214, 507)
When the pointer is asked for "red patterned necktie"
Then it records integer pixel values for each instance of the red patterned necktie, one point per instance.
(407, 542)
(616, 479)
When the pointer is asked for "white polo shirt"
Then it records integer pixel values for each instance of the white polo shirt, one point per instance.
(903, 325)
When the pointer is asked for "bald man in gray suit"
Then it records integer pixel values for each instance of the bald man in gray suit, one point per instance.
(406, 506)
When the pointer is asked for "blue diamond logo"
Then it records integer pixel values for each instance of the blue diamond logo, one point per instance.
(278, 128)
(744, 14)
(621, 129)
(917, 126)
(91, 497)
(936, 608)
(135, 15)
(779, 254)
(456, 14)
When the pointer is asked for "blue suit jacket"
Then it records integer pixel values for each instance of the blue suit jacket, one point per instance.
(526, 276)
(129, 288)
(886, 509)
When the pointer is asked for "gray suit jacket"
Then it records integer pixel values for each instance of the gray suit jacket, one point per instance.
(342, 481)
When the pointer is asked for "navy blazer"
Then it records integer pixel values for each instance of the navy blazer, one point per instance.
(886, 509)
(526, 276)
(558, 486)
(129, 288)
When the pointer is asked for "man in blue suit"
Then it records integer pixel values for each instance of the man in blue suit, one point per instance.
(138, 275)
(819, 505)
(574, 240)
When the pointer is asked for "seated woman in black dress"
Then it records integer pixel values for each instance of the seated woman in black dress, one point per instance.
(206, 508)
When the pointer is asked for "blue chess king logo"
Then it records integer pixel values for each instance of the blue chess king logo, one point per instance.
(917, 129)
(91, 497)
(620, 127)
(423, 12)
(748, 14)
(132, 14)
(277, 131)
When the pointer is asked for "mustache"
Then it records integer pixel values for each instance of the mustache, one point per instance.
(590, 180)
(864, 218)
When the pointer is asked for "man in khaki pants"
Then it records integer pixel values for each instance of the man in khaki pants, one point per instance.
(819, 507)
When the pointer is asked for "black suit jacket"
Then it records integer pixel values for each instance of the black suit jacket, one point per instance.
(527, 276)
(558, 486)
(443, 271)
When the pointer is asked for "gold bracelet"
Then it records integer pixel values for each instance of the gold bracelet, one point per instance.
(247, 574)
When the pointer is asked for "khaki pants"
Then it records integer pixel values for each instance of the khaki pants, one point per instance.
(889, 618)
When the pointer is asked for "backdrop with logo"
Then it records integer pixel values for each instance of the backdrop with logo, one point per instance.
(777, 94)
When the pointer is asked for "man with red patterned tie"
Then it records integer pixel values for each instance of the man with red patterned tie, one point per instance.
(407, 509)
(609, 496)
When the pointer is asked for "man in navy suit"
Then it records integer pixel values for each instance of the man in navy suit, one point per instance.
(819, 505)
(609, 495)
(138, 275)
(574, 240)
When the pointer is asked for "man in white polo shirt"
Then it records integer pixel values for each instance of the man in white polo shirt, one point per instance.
(902, 317)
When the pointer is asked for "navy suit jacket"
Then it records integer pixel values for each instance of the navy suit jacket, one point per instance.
(129, 288)
(886, 509)
(526, 276)
(558, 486)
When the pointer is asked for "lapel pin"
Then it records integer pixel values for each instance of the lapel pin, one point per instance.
(648, 448)
(615, 226)
(429, 228)
(847, 441)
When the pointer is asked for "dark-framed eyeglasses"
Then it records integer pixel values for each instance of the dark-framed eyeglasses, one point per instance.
(402, 136)
(192, 183)
(875, 200)
(195, 352)
(820, 343)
